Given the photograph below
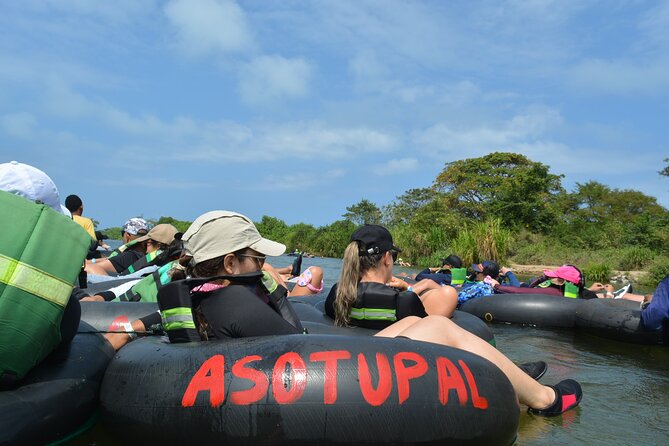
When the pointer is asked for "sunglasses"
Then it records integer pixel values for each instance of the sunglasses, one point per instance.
(395, 254)
(259, 259)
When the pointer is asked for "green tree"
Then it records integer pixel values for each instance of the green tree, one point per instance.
(181, 225)
(505, 185)
(331, 240)
(364, 212)
(598, 216)
(665, 171)
(405, 207)
(273, 229)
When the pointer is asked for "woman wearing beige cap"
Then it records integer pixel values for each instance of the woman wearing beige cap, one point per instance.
(148, 245)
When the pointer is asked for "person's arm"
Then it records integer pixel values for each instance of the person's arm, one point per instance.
(101, 267)
(511, 277)
(657, 312)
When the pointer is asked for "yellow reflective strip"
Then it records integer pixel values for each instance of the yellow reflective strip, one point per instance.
(34, 281)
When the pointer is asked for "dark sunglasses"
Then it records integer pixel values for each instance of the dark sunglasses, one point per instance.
(259, 259)
(395, 254)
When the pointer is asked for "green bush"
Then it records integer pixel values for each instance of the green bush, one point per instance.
(657, 271)
(635, 258)
(480, 241)
(598, 272)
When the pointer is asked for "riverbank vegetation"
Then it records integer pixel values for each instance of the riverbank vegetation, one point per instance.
(505, 207)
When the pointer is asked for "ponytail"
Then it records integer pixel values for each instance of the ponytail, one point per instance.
(353, 267)
(347, 289)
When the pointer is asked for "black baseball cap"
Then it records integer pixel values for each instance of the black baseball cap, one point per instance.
(453, 260)
(375, 239)
(488, 267)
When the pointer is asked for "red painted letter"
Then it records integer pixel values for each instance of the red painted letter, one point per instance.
(478, 401)
(260, 381)
(450, 378)
(373, 396)
(330, 371)
(211, 377)
(404, 374)
(297, 379)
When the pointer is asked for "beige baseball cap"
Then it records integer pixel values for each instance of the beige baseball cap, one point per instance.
(163, 233)
(217, 233)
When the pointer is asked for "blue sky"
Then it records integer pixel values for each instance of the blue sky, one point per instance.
(297, 109)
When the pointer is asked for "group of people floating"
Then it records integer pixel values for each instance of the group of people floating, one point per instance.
(241, 294)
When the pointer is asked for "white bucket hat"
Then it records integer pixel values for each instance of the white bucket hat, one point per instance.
(31, 183)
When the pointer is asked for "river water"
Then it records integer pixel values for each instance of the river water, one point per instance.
(625, 386)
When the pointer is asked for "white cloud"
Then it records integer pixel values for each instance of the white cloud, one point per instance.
(442, 138)
(210, 26)
(268, 78)
(396, 166)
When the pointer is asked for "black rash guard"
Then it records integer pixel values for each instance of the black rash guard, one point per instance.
(236, 312)
(122, 261)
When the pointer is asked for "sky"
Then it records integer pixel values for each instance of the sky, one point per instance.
(298, 109)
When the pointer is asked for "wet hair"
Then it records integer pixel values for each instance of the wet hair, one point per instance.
(354, 266)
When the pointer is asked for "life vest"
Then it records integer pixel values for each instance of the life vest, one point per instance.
(570, 290)
(378, 306)
(146, 290)
(41, 253)
(142, 262)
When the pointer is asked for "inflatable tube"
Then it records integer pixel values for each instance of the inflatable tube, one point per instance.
(539, 310)
(305, 390)
(96, 287)
(59, 396)
(106, 316)
(312, 309)
(617, 319)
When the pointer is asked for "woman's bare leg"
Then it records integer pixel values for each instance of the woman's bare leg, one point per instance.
(437, 300)
(441, 330)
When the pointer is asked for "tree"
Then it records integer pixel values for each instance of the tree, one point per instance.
(505, 185)
(273, 229)
(405, 207)
(182, 226)
(364, 212)
(665, 171)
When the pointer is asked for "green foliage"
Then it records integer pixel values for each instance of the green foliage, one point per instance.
(657, 271)
(364, 212)
(300, 237)
(509, 186)
(114, 233)
(479, 241)
(598, 272)
(665, 171)
(635, 258)
(331, 241)
(273, 229)
(404, 208)
(181, 225)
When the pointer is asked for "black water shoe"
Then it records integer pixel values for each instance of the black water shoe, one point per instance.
(297, 266)
(535, 369)
(568, 394)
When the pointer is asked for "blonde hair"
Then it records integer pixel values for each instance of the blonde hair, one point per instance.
(353, 267)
